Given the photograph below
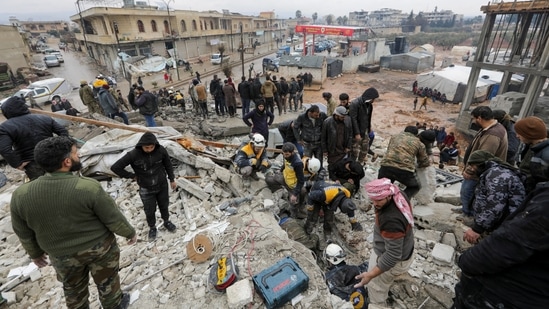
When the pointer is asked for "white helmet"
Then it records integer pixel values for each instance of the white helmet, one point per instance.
(313, 165)
(334, 254)
(258, 140)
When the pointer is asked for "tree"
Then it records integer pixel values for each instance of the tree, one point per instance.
(221, 49)
(329, 19)
(315, 17)
(339, 20)
(298, 14)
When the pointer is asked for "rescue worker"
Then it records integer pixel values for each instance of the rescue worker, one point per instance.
(252, 158)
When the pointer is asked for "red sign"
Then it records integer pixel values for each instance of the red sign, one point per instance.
(327, 30)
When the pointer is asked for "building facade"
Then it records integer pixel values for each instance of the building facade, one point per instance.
(39, 28)
(143, 30)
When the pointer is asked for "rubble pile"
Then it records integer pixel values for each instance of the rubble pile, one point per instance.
(240, 220)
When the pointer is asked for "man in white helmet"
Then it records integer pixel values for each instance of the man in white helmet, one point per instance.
(252, 158)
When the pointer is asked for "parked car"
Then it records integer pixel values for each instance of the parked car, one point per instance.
(44, 90)
(51, 61)
(59, 57)
(216, 58)
(271, 64)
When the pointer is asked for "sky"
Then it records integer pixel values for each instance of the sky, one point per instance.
(39, 10)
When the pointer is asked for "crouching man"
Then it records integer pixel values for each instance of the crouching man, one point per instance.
(252, 158)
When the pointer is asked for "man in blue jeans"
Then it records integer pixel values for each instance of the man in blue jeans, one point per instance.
(491, 137)
(147, 104)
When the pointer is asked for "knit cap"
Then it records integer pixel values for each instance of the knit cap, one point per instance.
(531, 128)
(340, 111)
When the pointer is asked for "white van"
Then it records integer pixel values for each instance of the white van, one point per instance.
(45, 90)
(216, 58)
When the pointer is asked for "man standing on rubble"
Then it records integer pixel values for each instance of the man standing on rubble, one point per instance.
(76, 231)
(393, 251)
(147, 104)
(88, 98)
(492, 137)
(360, 110)
(151, 164)
(20, 133)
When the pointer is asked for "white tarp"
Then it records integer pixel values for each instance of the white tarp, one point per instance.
(452, 81)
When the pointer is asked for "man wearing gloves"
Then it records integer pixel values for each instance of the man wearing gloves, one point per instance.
(252, 158)
(393, 239)
(151, 164)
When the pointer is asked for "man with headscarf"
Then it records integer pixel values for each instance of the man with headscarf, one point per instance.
(499, 192)
(20, 133)
(393, 251)
(361, 110)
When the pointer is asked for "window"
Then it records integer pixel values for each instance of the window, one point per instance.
(166, 27)
(201, 26)
(211, 24)
(140, 26)
(153, 26)
(183, 26)
(194, 25)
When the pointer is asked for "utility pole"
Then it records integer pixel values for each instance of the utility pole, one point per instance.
(115, 26)
(171, 36)
(242, 49)
(83, 27)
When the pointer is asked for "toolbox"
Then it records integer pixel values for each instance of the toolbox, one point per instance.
(280, 283)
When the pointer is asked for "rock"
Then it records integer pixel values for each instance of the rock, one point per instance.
(443, 254)
(449, 239)
(239, 294)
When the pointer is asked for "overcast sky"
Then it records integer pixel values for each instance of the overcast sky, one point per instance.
(62, 9)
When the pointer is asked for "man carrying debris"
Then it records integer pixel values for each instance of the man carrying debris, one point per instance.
(20, 133)
(329, 196)
(151, 164)
(252, 158)
(76, 231)
(500, 191)
(393, 251)
(399, 162)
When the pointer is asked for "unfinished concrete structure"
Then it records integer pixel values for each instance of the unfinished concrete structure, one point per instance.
(514, 40)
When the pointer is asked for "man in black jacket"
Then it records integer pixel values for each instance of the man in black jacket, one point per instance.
(147, 104)
(337, 137)
(21, 132)
(245, 91)
(360, 111)
(509, 268)
(308, 131)
(151, 164)
(216, 90)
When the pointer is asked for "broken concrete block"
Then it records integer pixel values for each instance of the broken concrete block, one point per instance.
(223, 174)
(192, 188)
(449, 239)
(443, 254)
(429, 236)
(239, 294)
(35, 275)
(10, 297)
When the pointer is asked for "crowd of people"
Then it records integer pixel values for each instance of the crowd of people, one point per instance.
(506, 169)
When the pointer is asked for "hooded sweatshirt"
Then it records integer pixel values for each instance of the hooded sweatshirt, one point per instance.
(360, 111)
(260, 120)
(22, 131)
(151, 168)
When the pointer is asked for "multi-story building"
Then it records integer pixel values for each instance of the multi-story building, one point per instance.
(358, 18)
(14, 47)
(139, 29)
(38, 28)
(386, 18)
(442, 17)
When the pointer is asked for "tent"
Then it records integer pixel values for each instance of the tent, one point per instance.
(414, 62)
(452, 81)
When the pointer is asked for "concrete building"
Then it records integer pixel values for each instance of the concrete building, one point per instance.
(139, 29)
(39, 28)
(13, 47)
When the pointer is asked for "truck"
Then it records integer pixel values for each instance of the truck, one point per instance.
(44, 90)
(7, 79)
(283, 50)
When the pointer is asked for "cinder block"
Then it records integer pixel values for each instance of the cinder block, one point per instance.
(239, 294)
(443, 253)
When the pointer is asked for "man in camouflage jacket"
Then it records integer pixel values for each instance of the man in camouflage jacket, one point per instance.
(399, 163)
(500, 191)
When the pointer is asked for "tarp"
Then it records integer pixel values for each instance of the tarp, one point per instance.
(415, 62)
(452, 81)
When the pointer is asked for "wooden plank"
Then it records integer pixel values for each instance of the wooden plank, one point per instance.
(223, 145)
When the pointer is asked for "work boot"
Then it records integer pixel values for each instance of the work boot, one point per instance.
(328, 223)
(254, 176)
(152, 234)
(169, 226)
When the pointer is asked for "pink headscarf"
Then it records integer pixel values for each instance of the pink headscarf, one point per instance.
(382, 188)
